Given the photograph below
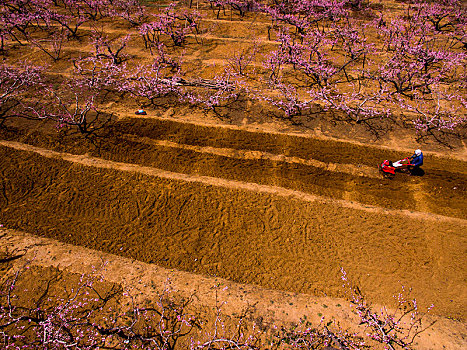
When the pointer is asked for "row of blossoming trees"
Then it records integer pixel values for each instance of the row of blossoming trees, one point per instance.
(59, 311)
(407, 66)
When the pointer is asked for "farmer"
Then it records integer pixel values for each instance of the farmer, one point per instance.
(416, 161)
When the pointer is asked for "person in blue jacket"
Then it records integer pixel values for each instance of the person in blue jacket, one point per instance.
(416, 161)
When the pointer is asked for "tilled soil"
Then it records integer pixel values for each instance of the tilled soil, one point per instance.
(280, 225)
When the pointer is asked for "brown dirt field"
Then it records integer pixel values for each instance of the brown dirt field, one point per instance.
(246, 235)
(264, 307)
(441, 191)
(271, 208)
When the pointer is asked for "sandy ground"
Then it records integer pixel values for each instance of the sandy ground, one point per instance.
(248, 220)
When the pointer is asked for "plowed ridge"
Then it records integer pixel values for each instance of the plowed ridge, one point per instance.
(322, 168)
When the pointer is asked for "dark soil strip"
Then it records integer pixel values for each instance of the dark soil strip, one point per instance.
(322, 150)
(328, 151)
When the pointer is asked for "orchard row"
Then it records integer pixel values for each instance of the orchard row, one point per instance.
(91, 315)
(360, 62)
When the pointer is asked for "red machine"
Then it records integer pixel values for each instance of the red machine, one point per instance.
(389, 169)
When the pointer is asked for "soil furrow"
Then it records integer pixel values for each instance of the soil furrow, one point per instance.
(322, 149)
(351, 169)
(313, 166)
(220, 182)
